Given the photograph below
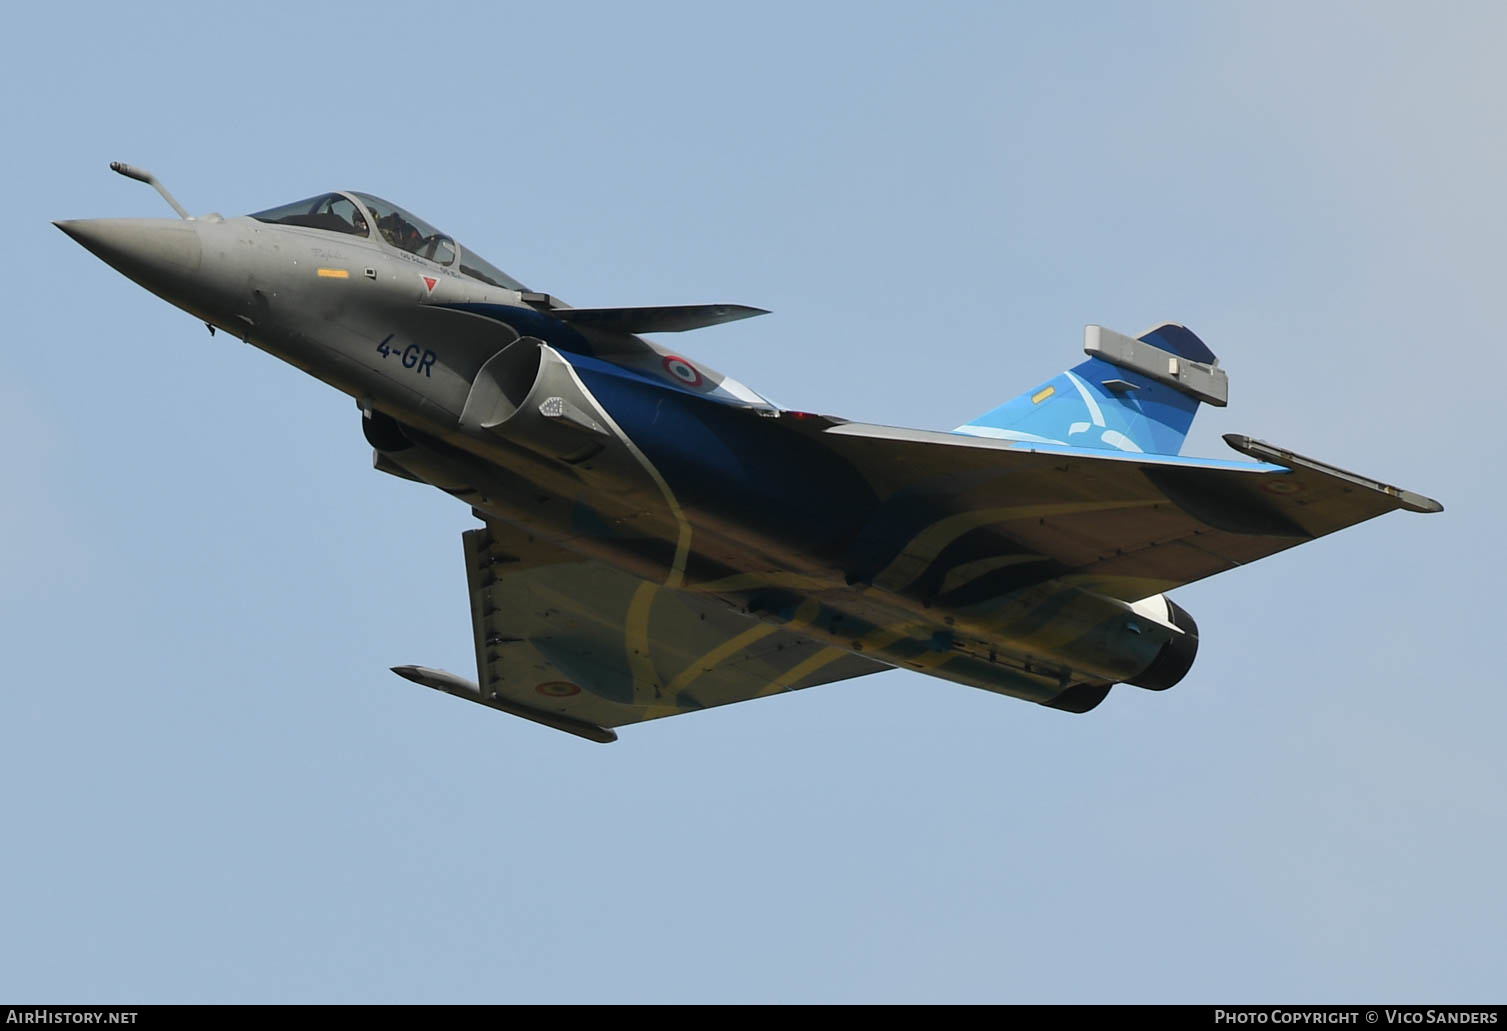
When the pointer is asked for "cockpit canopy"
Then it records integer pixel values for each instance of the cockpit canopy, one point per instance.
(332, 211)
(341, 213)
(408, 232)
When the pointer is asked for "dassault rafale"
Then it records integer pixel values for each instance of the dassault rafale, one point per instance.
(657, 538)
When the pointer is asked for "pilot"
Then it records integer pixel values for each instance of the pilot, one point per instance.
(388, 225)
(397, 231)
(359, 221)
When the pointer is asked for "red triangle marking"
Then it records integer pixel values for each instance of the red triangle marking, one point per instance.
(429, 281)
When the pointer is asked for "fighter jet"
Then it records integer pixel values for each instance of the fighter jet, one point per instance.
(658, 538)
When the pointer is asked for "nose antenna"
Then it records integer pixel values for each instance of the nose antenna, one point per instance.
(141, 175)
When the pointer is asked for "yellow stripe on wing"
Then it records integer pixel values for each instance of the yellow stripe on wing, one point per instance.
(683, 525)
(636, 643)
(802, 670)
(923, 549)
(773, 578)
(724, 651)
(879, 637)
(968, 572)
(732, 646)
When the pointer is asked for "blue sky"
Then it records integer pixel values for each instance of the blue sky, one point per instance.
(214, 789)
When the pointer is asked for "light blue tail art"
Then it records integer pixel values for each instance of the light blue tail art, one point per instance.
(1131, 395)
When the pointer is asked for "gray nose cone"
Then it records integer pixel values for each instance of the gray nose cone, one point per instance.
(160, 251)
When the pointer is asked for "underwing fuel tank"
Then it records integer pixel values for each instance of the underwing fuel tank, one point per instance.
(1149, 643)
(1172, 662)
(1175, 659)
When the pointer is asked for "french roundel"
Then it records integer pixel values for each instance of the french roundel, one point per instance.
(682, 370)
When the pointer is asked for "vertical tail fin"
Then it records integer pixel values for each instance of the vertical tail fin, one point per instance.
(1137, 395)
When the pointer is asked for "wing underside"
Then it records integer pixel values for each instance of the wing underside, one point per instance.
(1125, 525)
(582, 646)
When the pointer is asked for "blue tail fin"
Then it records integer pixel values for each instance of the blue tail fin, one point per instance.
(1131, 395)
